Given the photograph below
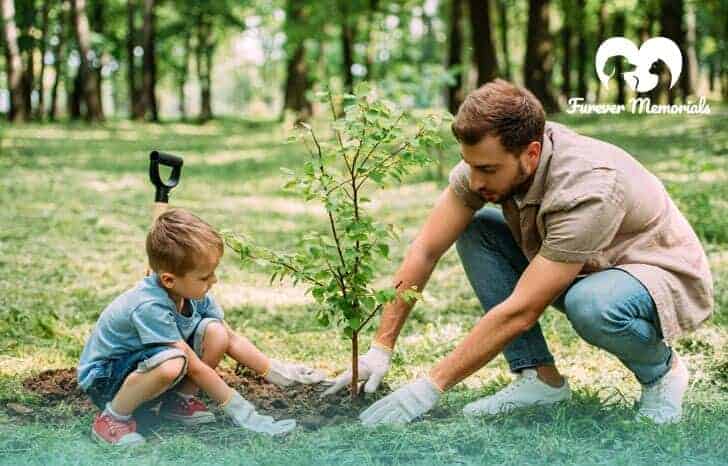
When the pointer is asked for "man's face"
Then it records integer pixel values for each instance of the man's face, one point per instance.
(497, 174)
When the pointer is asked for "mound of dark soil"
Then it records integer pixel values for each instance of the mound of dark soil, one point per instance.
(301, 402)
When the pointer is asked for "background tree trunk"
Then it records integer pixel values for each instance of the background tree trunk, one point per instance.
(502, 6)
(297, 78)
(539, 55)
(40, 111)
(182, 78)
(347, 47)
(690, 53)
(483, 49)
(601, 36)
(566, 36)
(454, 56)
(671, 18)
(203, 55)
(59, 59)
(619, 26)
(149, 68)
(13, 62)
(92, 99)
(136, 102)
(582, 58)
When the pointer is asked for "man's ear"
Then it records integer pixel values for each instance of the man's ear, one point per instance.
(167, 279)
(533, 154)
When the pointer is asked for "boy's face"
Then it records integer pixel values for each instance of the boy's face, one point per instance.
(195, 283)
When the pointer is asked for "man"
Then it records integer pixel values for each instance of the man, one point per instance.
(584, 227)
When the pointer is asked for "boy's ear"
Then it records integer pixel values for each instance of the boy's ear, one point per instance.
(167, 279)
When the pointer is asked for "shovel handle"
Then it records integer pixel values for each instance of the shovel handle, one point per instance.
(156, 159)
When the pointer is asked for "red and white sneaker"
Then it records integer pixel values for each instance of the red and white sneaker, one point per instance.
(112, 431)
(188, 411)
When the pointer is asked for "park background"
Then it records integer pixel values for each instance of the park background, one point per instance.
(89, 88)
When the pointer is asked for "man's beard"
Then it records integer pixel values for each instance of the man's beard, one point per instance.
(520, 185)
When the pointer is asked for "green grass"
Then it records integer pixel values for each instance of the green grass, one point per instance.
(75, 209)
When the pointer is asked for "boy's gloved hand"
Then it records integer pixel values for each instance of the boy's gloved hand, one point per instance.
(403, 405)
(373, 366)
(243, 414)
(285, 374)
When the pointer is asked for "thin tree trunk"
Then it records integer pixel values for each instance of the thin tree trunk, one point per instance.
(203, 57)
(43, 49)
(92, 98)
(672, 28)
(13, 62)
(619, 26)
(601, 36)
(711, 74)
(150, 60)
(136, 102)
(58, 61)
(75, 96)
(297, 79)
(539, 55)
(354, 366)
(97, 20)
(454, 56)
(182, 78)
(483, 49)
(503, 20)
(347, 48)
(691, 56)
(566, 59)
(581, 50)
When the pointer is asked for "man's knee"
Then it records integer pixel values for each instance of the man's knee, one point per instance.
(588, 313)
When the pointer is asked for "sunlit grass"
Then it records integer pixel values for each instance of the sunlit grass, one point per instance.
(75, 209)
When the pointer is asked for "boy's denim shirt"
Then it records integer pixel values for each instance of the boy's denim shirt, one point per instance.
(141, 317)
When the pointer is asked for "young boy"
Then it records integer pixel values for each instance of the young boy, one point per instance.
(167, 332)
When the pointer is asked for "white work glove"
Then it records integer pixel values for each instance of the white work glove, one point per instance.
(243, 414)
(402, 406)
(373, 366)
(285, 374)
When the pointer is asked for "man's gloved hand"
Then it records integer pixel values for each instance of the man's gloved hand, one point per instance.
(372, 367)
(285, 374)
(403, 405)
(243, 414)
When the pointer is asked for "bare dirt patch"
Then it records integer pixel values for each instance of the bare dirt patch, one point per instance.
(58, 388)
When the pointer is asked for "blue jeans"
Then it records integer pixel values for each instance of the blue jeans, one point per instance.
(609, 309)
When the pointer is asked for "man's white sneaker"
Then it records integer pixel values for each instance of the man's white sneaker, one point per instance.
(661, 402)
(526, 390)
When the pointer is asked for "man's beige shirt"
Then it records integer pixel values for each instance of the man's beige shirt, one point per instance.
(592, 202)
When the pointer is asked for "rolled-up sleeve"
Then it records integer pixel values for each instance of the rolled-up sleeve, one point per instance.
(460, 184)
(583, 230)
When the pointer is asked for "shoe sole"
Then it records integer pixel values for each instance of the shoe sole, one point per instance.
(509, 407)
(189, 421)
(99, 439)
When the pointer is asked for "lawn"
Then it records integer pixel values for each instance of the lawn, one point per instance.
(75, 208)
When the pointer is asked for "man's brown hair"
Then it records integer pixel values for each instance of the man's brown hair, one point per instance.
(179, 240)
(499, 108)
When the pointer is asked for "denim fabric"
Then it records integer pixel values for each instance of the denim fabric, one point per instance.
(139, 318)
(609, 309)
(108, 376)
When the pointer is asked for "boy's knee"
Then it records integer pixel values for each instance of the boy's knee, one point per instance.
(214, 335)
(173, 369)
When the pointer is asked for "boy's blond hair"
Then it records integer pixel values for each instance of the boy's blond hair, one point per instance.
(179, 241)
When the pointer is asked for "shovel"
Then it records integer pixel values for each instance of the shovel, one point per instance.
(162, 188)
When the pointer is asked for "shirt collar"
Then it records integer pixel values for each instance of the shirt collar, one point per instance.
(535, 192)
